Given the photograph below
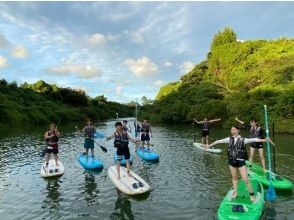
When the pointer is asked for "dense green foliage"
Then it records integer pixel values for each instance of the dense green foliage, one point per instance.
(41, 103)
(236, 79)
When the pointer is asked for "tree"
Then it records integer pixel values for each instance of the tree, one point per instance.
(146, 101)
(223, 37)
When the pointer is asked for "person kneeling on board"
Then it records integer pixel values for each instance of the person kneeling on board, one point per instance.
(121, 142)
(236, 158)
(51, 138)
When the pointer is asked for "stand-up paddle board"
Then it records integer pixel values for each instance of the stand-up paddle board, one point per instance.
(241, 207)
(130, 185)
(148, 155)
(123, 161)
(256, 172)
(52, 170)
(210, 150)
(90, 163)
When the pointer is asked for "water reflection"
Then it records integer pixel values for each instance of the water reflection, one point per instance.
(91, 191)
(53, 197)
(123, 207)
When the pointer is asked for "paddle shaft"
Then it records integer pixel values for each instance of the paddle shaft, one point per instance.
(267, 143)
(274, 148)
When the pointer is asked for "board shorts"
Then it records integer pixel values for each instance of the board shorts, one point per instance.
(237, 163)
(123, 151)
(205, 133)
(51, 149)
(256, 145)
(145, 137)
(89, 144)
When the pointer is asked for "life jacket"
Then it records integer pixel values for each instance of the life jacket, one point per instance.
(237, 150)
(205, 126)
(121, 140)
(145, 128)
(53, 139)
(256, 132)
(125, 128)
(89, 132)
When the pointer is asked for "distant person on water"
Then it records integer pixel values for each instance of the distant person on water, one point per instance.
(51, 138)
(137, 128)
(89, 132)
(121, 143)
(255, 132)
(145, 130)
(205, 128)
(125, 126)
(236, 158)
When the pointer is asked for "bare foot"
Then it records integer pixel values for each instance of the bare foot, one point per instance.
(118, 177)
(129, 174)
(252, 198)
(234, 195)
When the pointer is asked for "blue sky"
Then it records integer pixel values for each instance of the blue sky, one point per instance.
(124, 50)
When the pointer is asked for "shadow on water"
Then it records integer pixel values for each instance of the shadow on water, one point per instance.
(122, 208)
(53, 197)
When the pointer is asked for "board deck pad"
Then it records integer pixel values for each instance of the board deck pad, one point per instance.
(52, 170)
(133, 185)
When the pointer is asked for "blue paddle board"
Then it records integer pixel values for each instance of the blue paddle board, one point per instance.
(90, 163)
(148, 155)
(123, 161)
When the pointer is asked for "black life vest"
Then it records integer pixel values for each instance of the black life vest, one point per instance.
(205, 126)
(53, 139)
(256, 132)
(125, 128)
(89, 132)
(237, 150)
(145, 128)
(121, 140)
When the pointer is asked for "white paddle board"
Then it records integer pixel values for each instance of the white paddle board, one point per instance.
(210, 150)
(52, 170)
(130, 185)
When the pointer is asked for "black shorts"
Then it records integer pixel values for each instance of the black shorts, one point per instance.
(257, 145)
(145, 137)
(237, 163)
(123, 151)
(53, 150)
(205, 133)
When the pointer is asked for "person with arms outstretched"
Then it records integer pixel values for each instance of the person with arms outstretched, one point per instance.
(205, 128)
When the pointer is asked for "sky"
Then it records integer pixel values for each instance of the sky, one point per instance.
(124, 50)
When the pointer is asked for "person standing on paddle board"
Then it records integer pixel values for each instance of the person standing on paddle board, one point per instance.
(89, 132)
(236, 158)
(125, 126)
(145, 130)
(121, 143)
(51, 138)
(205, 128)
(256, 132)
(137, 128)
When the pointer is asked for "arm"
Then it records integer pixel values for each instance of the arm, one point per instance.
(214, 120)
(252, 140)
(198, 122)
(110, 137)
(222, 141)
(131, 139)
(241, 122)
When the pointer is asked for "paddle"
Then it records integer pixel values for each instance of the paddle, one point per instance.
(104, 149)
(270, 194)
(274, 148)
(194, 131)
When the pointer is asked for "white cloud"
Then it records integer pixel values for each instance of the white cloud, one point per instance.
(141, 67)
(168, 64)
(4, 43)
(118, 90)
(3, 62)
(137, 38)
(187, 66)
(19, 52)
(158, 83)
(84, 71)
(97, 39)
(241, 41)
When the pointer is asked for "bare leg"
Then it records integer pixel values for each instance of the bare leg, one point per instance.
(47, 158)
(92, 152)
(56, 159)
(261, 155)
(202, 140)
(148, 145)
(128, 167)
(243, 172)
(252, 150)
(234, 173)
(206, 138)
(118, 169)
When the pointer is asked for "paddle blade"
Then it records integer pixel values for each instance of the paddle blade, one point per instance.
(271, 194)
(103, 149)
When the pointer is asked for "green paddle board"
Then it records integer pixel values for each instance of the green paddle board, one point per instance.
(241, 207)
(256, 172)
